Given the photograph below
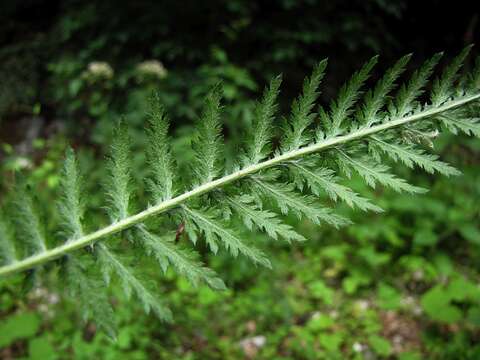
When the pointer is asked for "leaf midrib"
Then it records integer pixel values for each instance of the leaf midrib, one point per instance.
(51, 254)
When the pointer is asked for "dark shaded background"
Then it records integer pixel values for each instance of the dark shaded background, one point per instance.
(45, 45)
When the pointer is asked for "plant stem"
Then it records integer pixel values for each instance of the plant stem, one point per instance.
(164, 206)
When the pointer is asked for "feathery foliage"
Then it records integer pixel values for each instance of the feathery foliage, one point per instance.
(411, 155)
(159, 158)
(28, 224)
(7, 251)
(266, 220)
(323, 180)
(354, 135)
(341, 108)
(130, 283)
(288, 200)
(182, 259)
(207, 222)
(443, 86)
(208, 144)
(118, 183)
(374, 173)
(474, 82)
(302, 116)
(259, 146)
(376, 98)
(406, 99)
(71, 207)
(88, 290)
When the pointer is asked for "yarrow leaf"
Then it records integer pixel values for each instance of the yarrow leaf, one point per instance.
(28, 223)
(376, 173)
(184, 260)
(259, 146)
(7, 250)
(301, 115)
(118, 185)
(130, 283)
(359, 129)
(323, 180)
(159, 157)
(266, 220)
(215, 231)
(70, 206)
(209, 143)
(411, 156)
(89, 292)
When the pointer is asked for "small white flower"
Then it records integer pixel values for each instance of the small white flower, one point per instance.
(357, 347)
(417, 310)
(250, 346)
(53, 298)
(408, 301)
(363, 305)
(23, 163)
(333, 314)
(418, 275)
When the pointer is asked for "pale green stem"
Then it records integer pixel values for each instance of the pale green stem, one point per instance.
(164, 206)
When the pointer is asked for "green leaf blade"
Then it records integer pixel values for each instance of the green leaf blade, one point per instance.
(208, 144)
(118, 182)
(7, 249)
(183, 260)
(70, 206)
(348, 95)
(159, 156)
(259, 147)
(265, 220)
(218, 231)
(443, 86)
(301, 114)
(130, 283)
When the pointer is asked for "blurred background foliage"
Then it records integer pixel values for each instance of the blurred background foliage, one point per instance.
(400, 285)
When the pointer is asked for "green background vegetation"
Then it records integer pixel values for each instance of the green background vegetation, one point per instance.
(403, 284)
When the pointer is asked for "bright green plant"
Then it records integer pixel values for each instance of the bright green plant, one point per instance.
(212, 200)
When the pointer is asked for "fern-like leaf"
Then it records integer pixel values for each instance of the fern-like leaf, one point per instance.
(70, 207)
(458, 123)
(131, 284)
(266, 220)
(159, 156)
(411, 156)
(215, 231)
(320, 180)
(90, 293)
(182, 259)
(208, 143)
(405, 100)
(7, 250)
(293, 177)
(375, 99)
(118, 184)
(349, 93)
(376, 173)
(287, 199)
(28, 223)
(259, 146)
(443, 86)
(474, 83)
(302, 116)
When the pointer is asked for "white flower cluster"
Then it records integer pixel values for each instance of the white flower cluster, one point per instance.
(99, 70)
(152, 68)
